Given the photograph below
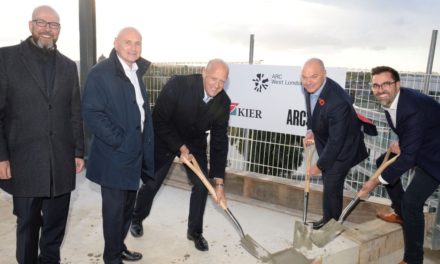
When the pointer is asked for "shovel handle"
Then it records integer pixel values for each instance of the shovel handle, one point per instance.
(385, 164)
(309, 151)
(378, 172)
(194, 166)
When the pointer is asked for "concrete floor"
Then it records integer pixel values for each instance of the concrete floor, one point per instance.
(165, 240)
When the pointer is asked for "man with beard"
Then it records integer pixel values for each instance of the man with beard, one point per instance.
(41, 137)
(412, 116)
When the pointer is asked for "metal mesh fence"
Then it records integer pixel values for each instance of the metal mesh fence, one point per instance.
(281, 155)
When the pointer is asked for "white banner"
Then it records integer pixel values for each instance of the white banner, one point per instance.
(270, 98)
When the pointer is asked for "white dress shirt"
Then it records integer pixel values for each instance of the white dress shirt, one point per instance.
(132, 76)
(392, 110)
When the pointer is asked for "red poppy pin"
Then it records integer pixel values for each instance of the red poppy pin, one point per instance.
(321, 102)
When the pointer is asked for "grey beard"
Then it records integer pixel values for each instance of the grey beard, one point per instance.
(50, 46)
(37, 42)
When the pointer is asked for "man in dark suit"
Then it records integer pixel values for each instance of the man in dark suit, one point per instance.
(41, 137)
(186, 109)
(116, 109)
(333, 125)
(413, 117)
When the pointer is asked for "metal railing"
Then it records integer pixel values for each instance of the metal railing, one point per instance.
(281, 155)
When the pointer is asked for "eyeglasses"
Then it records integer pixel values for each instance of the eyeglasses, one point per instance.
(44, 23)
(314, 77)
(385, 85)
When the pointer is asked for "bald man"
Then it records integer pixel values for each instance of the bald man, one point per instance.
(333, 125)
(41, 137)
(116, 109)
(187, 108)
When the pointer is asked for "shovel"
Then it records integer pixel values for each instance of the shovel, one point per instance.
(301, 235)
(247, 242)
(333, 228)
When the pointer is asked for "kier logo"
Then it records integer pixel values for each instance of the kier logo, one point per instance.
(234, 110)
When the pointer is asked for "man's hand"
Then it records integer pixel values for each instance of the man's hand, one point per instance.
(184, 153)
(309, 138)
(394, 147)
(368, 187)
(314, 171)
(220, 192)
(79, 164)
(5, 170)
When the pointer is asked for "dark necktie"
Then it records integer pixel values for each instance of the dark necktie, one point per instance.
(390, 122)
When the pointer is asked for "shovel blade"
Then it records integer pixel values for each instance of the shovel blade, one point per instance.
(301, 236)
(327, 233)
(255, 249)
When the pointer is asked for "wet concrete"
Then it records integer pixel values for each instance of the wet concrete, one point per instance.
(289, 255)
(327, 233)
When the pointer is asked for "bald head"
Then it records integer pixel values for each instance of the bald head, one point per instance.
(313, 75)
(315, 63)
(216, 63)
(128, 45)
(128, 30)
(45, 9)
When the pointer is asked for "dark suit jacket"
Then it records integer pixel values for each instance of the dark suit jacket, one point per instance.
(39, 134)
(181, 117)
(338, 136)
(120, 151)
(418, 129)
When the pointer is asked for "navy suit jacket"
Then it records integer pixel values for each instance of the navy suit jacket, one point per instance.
(336, 128)
(418, 129)
(120, 151)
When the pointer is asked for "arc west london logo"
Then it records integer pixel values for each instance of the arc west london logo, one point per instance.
(260, 82)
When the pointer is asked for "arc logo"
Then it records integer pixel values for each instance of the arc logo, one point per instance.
(234, 110)
(260, 82)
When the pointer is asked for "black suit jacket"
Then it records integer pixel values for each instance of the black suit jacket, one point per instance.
(334, 123)
(181, 117)
(39, 134)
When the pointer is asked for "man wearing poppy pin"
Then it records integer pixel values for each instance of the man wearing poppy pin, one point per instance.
(333, 125)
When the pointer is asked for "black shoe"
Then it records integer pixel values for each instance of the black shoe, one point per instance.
(199, 241)
(318, 224)
(128, 255)
(136, 229)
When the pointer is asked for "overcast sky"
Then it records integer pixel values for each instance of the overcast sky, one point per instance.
(354, 34)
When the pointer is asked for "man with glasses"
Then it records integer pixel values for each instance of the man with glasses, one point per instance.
(186, 109)
(333, 125)
(413, 116)
(41, 137)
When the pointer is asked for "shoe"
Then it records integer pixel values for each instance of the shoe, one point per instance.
(318, 224)
(136, 229)
(128, 255)
(402, 262)
(199, 241)
(390, 217)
